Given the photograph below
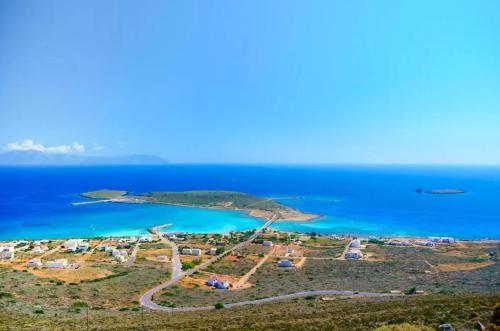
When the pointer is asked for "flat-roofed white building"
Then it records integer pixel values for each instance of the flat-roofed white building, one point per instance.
(7, 255)
(355, 243)
(72, 244)
(83, 246)
(7, 248)
(57, 264)
(145, 239)
(34, 263)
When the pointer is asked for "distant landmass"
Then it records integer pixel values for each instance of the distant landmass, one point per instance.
(441, 191)
(42, 158)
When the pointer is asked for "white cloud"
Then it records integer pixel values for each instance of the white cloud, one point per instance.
(29, 145)
(98, 147)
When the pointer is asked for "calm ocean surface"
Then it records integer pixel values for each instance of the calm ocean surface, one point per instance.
(378, 200)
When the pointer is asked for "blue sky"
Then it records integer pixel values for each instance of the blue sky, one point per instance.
(254, 81)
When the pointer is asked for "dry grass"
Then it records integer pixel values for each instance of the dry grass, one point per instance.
(71, 275)
(404, 327)
(342, 314)
(449, 267)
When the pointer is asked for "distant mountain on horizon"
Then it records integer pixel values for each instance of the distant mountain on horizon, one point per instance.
(43, 158)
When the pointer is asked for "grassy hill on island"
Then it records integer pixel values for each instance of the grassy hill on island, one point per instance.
(254, 205)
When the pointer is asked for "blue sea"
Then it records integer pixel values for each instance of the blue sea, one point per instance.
(35, 202)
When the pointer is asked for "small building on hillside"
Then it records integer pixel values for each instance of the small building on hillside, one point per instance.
(355, 243)
(57, 264)
(72, 244)
(83, 246)
(162, 258)
(213, 251)
(211, 281)
(218, 283)
(34, 263)
(120, 258)
(267, 243)
(102, 248)
(285, 264)
(222, 285)
(7, 255)
(191, 251)
(118, 255)
(39, 249)
(7, 249)
(145, 239)
(353, 255)
(289, 250)
(447, 240)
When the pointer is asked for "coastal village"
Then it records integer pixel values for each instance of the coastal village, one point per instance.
(218, 270)
(74, 260)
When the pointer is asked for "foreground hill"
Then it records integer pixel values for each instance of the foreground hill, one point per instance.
(462, 311)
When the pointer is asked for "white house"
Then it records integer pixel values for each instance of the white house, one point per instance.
(34, 263)
(289, 250)
(213, 251)
(109, 249)
(145, 239)
(267, 243)
(72, 244)
(196, 252)
(187, 251)
(57, 264)
(102, 248)
(83, 246)
(39, 249)
(447, 240)
(355, 243)
(162, 258)
(7, 249)
(120, 258)
(7, 255)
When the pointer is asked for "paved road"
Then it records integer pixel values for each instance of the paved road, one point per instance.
(176, 261)
(146, 299)
(133, 255)
(278, 298)
(344, 252)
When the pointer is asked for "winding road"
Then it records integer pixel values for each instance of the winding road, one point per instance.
(278, 298)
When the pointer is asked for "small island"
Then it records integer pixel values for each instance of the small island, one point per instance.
(446, 191)
(255, 206)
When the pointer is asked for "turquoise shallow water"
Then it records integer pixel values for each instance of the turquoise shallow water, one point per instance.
(116, 219)
(379, 200)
